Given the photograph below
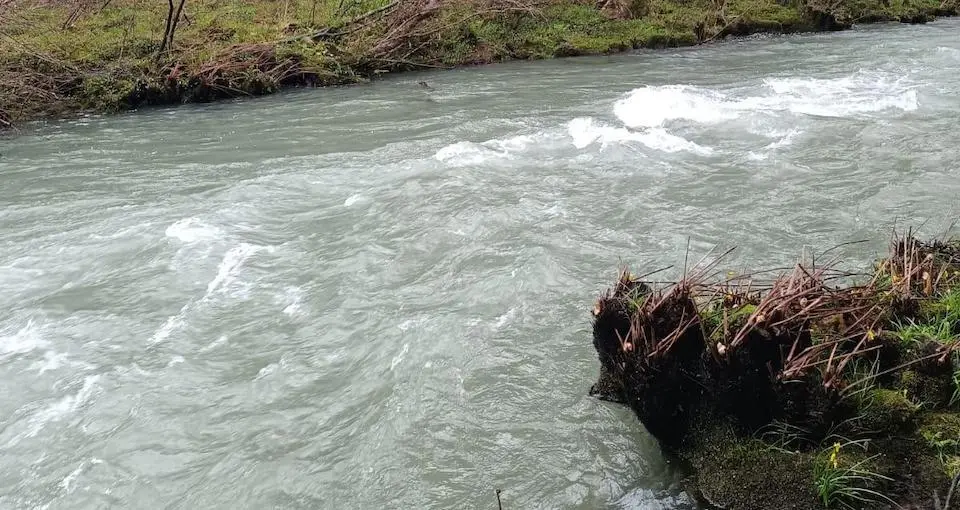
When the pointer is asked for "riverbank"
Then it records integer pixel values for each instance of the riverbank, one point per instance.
(63, 57)
(796, 392)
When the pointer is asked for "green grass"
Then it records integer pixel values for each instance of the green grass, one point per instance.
(955, 398)
(713, 322)
(914, 333)
(842, 484)
(938, 322)
(947, 308)
(867, 10)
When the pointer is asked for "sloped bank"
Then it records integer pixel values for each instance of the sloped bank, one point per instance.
(60, 57)
(798, 392)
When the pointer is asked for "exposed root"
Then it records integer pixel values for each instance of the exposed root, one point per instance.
(801, 350)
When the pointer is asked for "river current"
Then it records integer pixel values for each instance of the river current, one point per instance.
(378, 296)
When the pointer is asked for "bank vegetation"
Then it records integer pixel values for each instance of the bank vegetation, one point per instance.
(60, 57)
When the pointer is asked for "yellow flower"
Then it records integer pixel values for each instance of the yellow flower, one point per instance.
(834, 454)
(871, 335)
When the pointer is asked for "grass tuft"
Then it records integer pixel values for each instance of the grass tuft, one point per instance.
(841, 484)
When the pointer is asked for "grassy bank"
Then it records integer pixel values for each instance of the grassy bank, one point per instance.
(814, 389)
(63, 56)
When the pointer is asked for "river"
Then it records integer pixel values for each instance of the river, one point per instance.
(378, 296)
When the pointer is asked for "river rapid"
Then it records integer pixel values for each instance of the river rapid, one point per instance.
(378, 296)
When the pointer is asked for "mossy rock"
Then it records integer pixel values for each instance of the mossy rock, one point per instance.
(734, 472)
(941, 431)
(890, 355)
(750, 475)
(888, 411)
(931, 391)
(946, 423)
(914, 470)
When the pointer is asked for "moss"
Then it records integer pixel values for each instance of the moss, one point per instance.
(568, 29)
(772, 15)
(914, 470)
(106, 93)
(909, 380)
(894, 10)
(931, 391)
(888, 411)
(914, 384)
(748, 474)
(951, 465)
(943, 426)
(941, 431)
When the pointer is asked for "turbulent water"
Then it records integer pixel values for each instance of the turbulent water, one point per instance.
(378, 297)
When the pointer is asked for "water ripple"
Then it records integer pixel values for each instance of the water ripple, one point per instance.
(377, 297)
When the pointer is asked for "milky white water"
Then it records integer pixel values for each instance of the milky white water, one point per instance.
(378, 296)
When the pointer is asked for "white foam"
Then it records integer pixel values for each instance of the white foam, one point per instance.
(226, 274)
(292, 298)
(409, 324)
(399, 357)
(785, 140)
(52, 360)
(226, 271)
(838, 97)
(68, 480)
(173, 323)
(117, 234)
(954, 52)
(21, 341)
(67, 483)
(517, 143)
(860, 93)
(463, 153)
(216, 343)
(554, 211)
(60, 409)
(661, 140)
(586, 131)
(505, 318)
(653, 106)
(470, 153)
(269, 369)
(192, 230)
(352, 200)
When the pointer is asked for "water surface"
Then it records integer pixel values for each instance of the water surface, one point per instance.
(378, 296)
